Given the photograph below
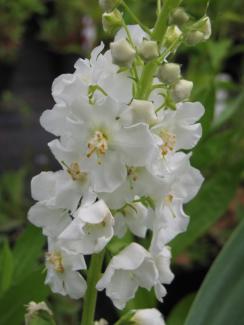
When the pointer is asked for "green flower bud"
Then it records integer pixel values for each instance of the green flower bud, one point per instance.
(108, 5)
(200, 31)
(173, 33)
(169, 72)
(194, 38)
(182, 90)
(148, 50)
(38, 312)
(179, 17)
(112, 21)
(122, 52)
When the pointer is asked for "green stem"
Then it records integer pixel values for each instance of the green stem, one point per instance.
(145, 83)
(91, 292)
(135, 18)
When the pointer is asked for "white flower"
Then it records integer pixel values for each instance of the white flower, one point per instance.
(178, 128)
(147, 317)
(58, 194)
(165, 275)
(169, 217)
(133, 267)
(62, 267)
(33, 309)
(134, 217)
(90, 231)
(136, 32)
(68, 88)
(103, 146)
(139, 182)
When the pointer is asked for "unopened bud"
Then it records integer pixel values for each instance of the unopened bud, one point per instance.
(201, 31)
(205, 27)
(148, 50)
(101, 322)
(108, 5)
(112, 21)
(122, 52)
(182, 90)
(172, 35)
(169, 72)
(179, 16)
(194, 38)
(37, 310)
(143, 111)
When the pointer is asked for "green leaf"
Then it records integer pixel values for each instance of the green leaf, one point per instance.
(7, 268)
(209, 205)
(12, 304)
(180, 311)
(220, 299)
(27, 251)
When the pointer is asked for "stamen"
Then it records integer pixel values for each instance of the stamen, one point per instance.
(169, 140)
(98, 144)
(75, 172)
(55, 259)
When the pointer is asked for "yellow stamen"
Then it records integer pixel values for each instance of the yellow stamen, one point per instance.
(75, 172)
(169, 140)
(55, 259)
(98, 144)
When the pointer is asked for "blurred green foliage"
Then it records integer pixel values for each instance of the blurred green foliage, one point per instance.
(13, 18)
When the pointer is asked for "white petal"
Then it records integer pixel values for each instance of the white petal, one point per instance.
(43, 186)
(148, 317)
(74, 284)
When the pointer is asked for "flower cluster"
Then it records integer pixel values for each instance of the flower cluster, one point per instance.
(124, 153)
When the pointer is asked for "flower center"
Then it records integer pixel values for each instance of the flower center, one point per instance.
(169, 140)
(55, 259)
(168, 199)
(98, 144)
(75, 172)
(132, 173)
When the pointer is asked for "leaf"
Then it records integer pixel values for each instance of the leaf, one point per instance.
(27, 252)
(7, 268)
(208, 206)
(180, 311)
(12, 304)
(220, 299)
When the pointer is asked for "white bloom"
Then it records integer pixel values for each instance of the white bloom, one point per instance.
(90, 231)
(58, 194)
(169, 217)
(136, 32)
(133, 216)
(33, 309)
(68, 88)
(148, 317)
(62, 267)
(103, 146)
(165, 275)
(133, 267)
(139, 182)
(178, 128)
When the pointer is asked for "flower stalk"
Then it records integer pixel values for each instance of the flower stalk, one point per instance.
(90, 299)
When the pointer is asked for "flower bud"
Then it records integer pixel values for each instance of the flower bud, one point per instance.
(143, 111)
(179, 16)
(169, 72)
(112, 21)
(108, 5)
(194, 38)
(147, 316)
(122, 52)
(148, 50)
(173, 33)
(206, 27)
(37, 311)
(182, 90)
(201, 31)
